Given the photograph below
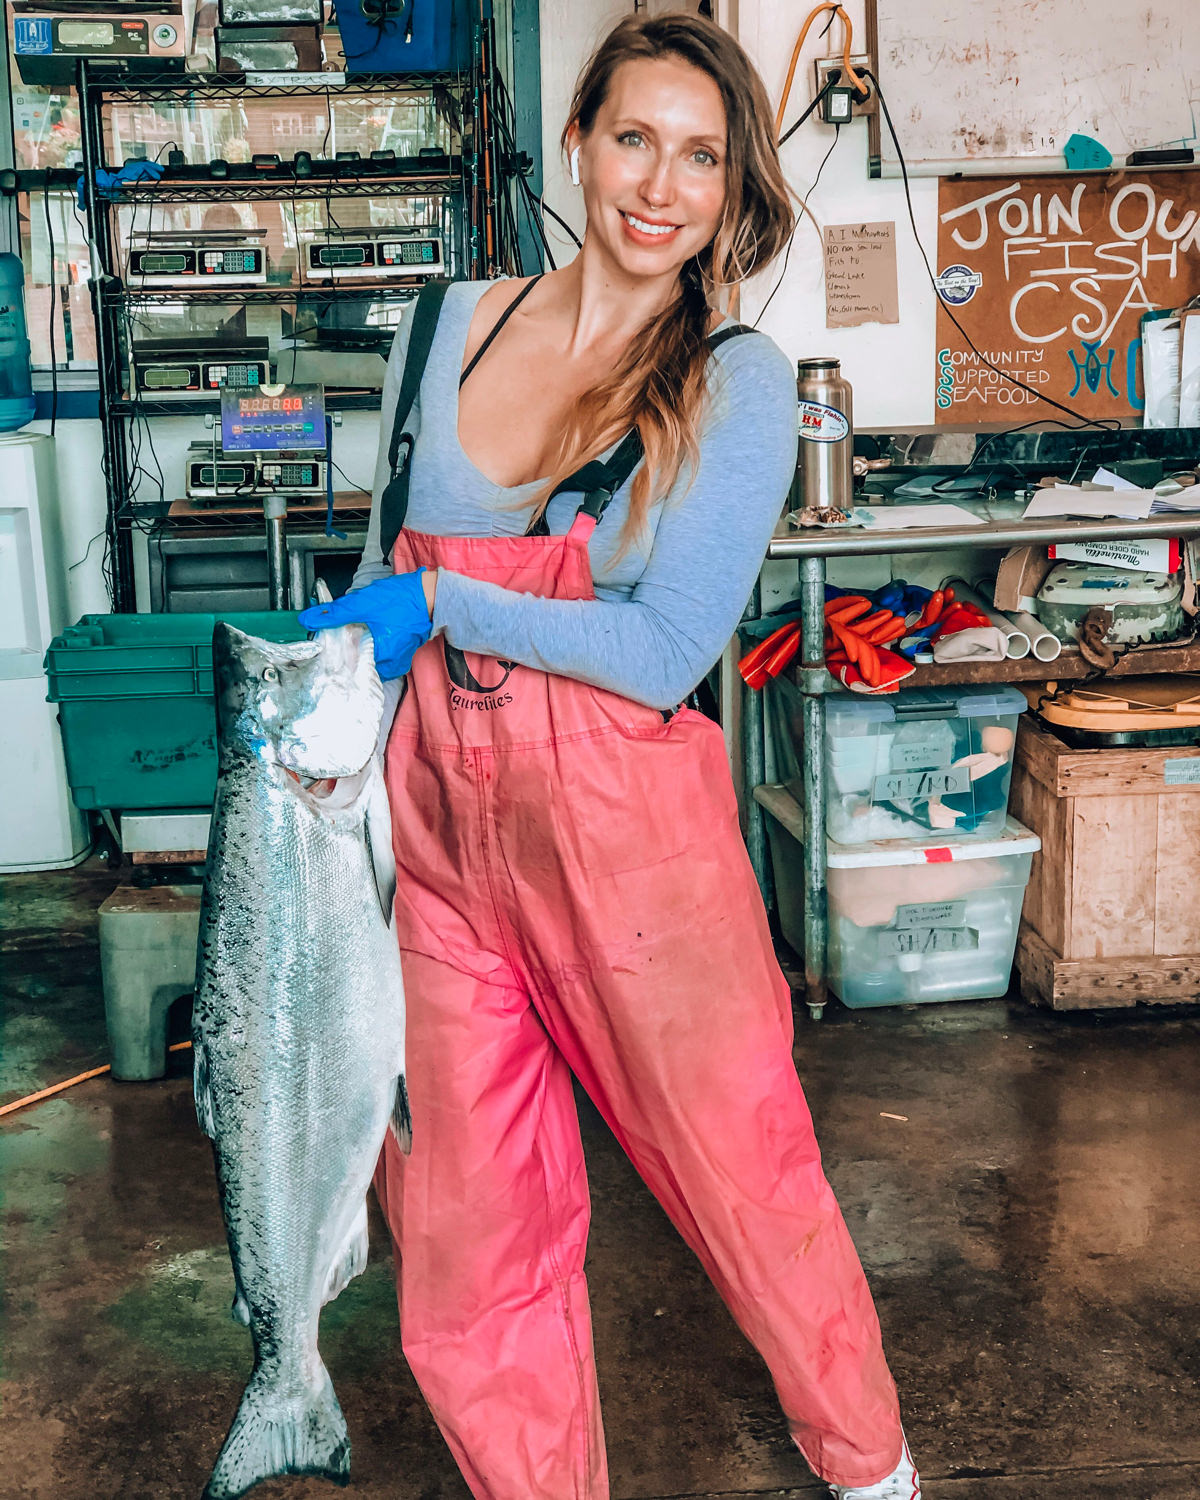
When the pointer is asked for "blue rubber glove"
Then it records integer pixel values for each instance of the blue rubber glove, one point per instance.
(109, 184)
(393, 610)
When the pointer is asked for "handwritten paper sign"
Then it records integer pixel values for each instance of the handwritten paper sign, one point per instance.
(1050, 277)
(860, 275)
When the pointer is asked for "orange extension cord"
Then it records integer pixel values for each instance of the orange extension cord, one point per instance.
(57, 1088)
(852, 77)
(735, 296)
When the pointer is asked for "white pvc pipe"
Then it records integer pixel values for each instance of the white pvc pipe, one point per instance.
(1019, 644)
(1046, 647)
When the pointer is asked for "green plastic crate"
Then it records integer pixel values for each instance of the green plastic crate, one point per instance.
(135, 697)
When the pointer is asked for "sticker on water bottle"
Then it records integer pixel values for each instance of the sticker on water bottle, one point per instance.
(822, 424)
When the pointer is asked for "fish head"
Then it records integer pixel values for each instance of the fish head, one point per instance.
(312, 708)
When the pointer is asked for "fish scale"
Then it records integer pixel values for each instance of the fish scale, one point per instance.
(298, 1021)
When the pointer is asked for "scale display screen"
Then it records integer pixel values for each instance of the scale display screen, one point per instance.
(86, 33)
(272, 418)
(226, 474)
(152, 262)
(342, 255)
(169, 378)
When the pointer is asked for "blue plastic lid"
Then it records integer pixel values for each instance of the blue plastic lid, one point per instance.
(983, 700)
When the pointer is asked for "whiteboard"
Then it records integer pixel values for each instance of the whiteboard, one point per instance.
(1000, 85)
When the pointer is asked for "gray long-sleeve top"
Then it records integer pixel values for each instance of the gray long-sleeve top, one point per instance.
(665, 609)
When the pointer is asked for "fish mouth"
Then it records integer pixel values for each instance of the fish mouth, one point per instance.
(330, 793)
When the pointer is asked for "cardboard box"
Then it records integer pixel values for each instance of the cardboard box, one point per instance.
(1022, 572)
(1152, 555)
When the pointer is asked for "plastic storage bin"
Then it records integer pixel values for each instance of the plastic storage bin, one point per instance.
(908, 923)
(934, 761)
(135, 696)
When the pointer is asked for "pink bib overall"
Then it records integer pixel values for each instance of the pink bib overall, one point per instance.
(574, 896)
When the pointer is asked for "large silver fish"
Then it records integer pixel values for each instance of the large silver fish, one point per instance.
(298, 1020)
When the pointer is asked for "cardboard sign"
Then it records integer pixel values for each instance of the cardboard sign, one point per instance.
(1050, 277)
(860, 275)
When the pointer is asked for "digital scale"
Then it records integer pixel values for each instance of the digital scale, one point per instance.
(377, 253)
(212, 474)
(276, 419)
(272, 418)
(189, 258)
(183, 368)
(50, 36)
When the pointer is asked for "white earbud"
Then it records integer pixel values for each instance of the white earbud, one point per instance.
(575, 166)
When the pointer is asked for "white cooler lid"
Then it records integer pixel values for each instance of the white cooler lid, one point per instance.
(1016, 839)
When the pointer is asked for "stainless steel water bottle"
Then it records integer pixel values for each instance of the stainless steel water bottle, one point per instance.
(825, 468)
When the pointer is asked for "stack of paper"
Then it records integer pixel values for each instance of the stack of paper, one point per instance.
(905, 517)
(1131, 504)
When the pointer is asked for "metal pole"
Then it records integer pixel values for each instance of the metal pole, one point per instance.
(812, 686)
(275, 511)
(868, 542)
(296, 589)
(108, 344)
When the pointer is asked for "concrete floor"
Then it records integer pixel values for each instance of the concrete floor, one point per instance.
(1030, 1229)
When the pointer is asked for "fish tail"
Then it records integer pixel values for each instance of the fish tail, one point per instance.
(271, 1436)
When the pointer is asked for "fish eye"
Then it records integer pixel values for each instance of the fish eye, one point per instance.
(270, 674)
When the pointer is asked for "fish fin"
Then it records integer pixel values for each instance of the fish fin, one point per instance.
(377, 833)
(271, 1435)
(240, 1310)
(202, 1089)
(352, 1260)
(402, 1117)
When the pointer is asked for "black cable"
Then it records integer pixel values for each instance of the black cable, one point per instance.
(558, 219)
(527, 198)
(837, 131)
(830, 82)
(1110, 424)
(53, 303)
(357, 488)
(535, 223)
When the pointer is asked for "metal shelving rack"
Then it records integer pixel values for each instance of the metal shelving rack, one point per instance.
(812, 550)
(476, 176)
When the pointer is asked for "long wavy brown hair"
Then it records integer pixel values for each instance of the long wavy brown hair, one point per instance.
(659, 385)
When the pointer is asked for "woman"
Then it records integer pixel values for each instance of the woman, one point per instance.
(574, 895)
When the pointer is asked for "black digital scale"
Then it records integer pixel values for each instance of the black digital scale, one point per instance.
(186, 258)
(50, 36)
(378, 253)
(184, 368)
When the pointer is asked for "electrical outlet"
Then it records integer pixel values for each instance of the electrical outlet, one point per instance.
(824, 66)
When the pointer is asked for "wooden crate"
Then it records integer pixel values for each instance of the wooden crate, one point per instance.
(1112, 913)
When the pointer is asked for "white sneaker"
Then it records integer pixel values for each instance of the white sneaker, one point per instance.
(904, 1483)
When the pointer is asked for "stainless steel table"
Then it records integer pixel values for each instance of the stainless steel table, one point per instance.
(812, 548)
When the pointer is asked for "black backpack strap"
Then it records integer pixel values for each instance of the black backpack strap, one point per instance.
(393, 503)
(599, 481)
